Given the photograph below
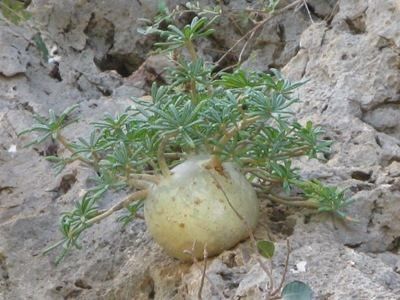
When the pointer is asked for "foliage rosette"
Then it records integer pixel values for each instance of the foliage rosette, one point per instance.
(224, 135)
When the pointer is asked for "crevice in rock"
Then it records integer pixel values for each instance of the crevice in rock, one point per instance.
(50, 149)
(55, 72)
(357, 25)
(376, 209)
(73, 294)
(378, 141)
(26, 106)
(354, 245)
(147, 287)
(4, 275)
(394, 245)
(66, 183)
(100, 38)
(280, 47)
(123, 64)
(360, 175)
(82, 284)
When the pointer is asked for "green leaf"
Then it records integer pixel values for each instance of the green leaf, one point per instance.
(266, 248)
(41, 46)
(297, 290)
(14, 11)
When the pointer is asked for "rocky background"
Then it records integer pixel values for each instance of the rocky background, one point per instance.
(349, 51)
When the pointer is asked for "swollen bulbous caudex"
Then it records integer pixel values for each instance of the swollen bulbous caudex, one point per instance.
(190, 205)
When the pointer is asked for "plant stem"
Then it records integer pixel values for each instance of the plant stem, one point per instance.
(306, 203)
(255, 28)
(231, 132)
(146, 177)
(203, 270)
(299, 151)
(192, 50)
(67, 145)
(265, 176)
(120, 205)
(161, 158)
(283, 278)
(193, 92)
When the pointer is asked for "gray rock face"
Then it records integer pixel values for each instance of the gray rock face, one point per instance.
(351, 62)
(13, 58)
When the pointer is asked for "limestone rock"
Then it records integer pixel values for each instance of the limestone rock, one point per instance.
(13, 58)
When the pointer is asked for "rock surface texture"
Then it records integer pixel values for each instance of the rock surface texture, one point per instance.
(350, 56)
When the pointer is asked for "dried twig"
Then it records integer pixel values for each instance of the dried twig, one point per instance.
(203, 270)
(283, 278)
(120, 205)
(251, 32)
(205, 255)
(305, 4)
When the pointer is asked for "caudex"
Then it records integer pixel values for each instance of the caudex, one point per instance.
(196, 155)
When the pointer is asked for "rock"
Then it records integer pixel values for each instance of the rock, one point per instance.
(323, 8)
(13, 57)
(351, 61)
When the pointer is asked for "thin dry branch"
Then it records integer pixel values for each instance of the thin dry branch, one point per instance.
(120, 205)
(305, 4)
(299, 203)
(203, 270)
(252, 31)
(283, 278)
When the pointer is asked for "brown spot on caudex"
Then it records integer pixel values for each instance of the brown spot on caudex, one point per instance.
(181, 225)
(215, 164)
(197, 201)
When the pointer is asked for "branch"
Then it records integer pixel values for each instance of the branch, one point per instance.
(283, 278)
(63, 141)
(120, 205)
(299, 203)
(255, 28)
(161, 158)
(231, 132)
(146, 177)
(202, 270)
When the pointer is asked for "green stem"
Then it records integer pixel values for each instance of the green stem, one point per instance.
(193, 92)
(146, 177)
(120, 205)
(299, 151)
(67, 145)
(231, 132)
(192, 50)
(161, 158)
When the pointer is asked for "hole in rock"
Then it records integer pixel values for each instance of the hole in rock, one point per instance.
(67, 181)
(55, 72)
(80, 283)
(73, 295)
(353, 245)
(357, 25)
(378, 141)
(124, 65)
(360, 175)
(100, 38)
(147, 287)
(394, 245)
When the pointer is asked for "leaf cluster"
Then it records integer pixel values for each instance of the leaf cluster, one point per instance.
(242, 116)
